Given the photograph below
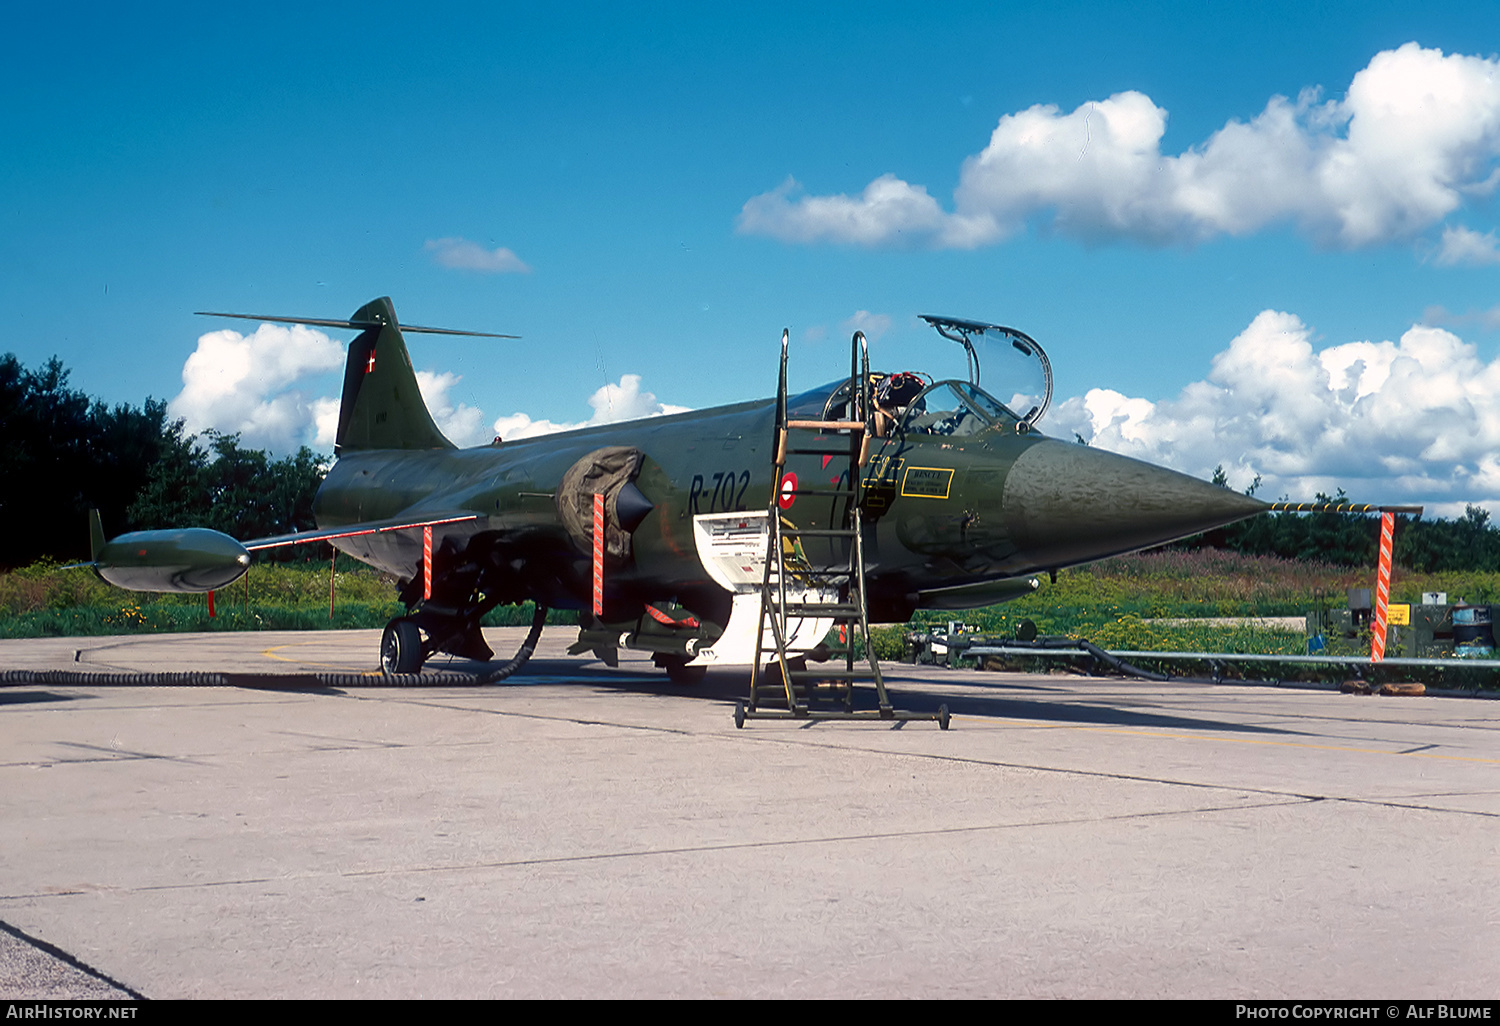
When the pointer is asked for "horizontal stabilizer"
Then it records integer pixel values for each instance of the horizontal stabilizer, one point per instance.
(325, 322)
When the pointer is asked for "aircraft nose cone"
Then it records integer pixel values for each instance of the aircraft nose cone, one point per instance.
(1066, 503)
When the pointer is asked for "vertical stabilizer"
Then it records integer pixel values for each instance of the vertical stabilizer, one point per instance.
(382, 407)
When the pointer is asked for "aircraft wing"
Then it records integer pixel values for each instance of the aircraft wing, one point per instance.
(354, 530)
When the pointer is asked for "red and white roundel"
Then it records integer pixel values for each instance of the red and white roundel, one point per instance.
(788, 490)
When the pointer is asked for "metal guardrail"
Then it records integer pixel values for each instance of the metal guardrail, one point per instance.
(1224, 657)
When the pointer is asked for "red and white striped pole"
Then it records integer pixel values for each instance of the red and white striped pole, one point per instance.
(1382, 585)
(598, 555)
(427, 562)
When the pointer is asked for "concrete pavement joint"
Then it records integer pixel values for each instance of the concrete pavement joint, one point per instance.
(986, 762)
(1388, 803)
(122, 753)
(450, 706)
(1421, 751)
(685, 850)
(1136, 778)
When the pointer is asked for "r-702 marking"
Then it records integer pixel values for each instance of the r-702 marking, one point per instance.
(728, 492)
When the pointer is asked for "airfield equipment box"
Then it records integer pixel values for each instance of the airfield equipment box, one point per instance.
(1431, 634)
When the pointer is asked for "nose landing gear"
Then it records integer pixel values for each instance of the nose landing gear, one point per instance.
(401, 647)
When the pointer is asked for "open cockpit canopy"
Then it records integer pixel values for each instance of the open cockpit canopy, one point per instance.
(1010, 361)
(1006, 362)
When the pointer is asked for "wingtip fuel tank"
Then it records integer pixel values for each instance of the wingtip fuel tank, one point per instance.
(191, 559)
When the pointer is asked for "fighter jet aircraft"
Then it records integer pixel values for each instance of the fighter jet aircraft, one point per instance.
(963, 501)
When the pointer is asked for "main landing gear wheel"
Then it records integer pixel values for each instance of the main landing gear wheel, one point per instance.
(401, 648)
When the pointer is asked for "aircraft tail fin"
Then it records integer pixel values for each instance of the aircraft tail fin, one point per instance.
(382, 407)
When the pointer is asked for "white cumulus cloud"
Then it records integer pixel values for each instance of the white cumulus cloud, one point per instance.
(462, 424)
(1415, 420)
(1462, 246)
(256, 386)
(612, 403)
(471, 256)
(1416, 133)
(243, 384)
(872, 324)
(889, 212)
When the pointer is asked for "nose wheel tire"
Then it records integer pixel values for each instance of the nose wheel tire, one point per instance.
(401, 648)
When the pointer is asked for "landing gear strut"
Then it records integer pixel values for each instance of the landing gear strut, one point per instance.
(403, 652)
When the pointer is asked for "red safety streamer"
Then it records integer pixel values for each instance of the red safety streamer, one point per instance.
(598, 554)
(427, 562)
(1382, 586)
(333, 562)
(211, 604)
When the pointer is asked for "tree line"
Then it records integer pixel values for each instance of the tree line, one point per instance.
(1469, 542)
(65, 453)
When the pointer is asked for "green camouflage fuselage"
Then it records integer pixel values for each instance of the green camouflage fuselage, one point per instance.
(952, 521)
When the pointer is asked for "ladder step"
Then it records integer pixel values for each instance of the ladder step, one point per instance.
(826, 425)
(819, 532)
(807, 680)
(831, 609)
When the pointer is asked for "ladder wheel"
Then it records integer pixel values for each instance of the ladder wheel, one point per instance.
(739, 715)
(943, 717)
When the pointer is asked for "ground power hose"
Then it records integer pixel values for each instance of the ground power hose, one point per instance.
(1113, 662)
(523, 654)
(209, 679)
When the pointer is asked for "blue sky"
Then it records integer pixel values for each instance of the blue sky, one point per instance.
(656, 190)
